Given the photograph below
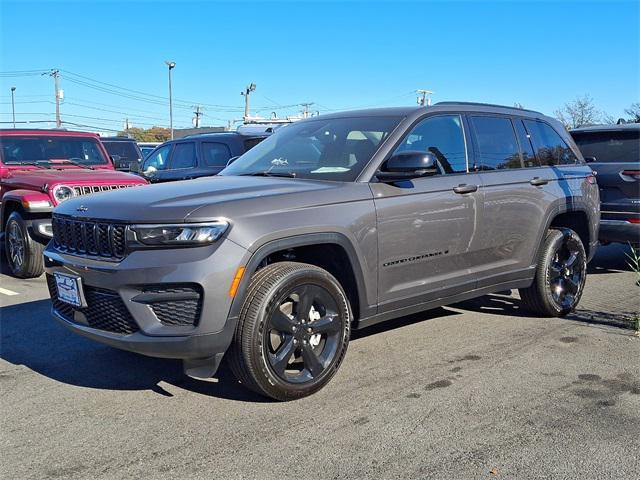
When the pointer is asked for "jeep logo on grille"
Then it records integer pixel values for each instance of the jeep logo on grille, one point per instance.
(82, 208)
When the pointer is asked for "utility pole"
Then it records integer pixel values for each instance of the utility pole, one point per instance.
(247, 91)
(171, 66)
(305, 112)
(13, 106)
(425, 99)
(198, 113)
(55, 73)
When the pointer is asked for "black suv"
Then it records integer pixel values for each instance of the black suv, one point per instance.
(196, 155)
(613, 152)
(124, 152)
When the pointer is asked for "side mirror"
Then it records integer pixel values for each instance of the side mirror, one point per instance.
(408, 165)
(590, 159)
(116, 159)
(150, 171)
(232, 159)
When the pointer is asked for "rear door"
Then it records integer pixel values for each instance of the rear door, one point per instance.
(425, 229)
(214, 157)
(513, 208)
(617, 166)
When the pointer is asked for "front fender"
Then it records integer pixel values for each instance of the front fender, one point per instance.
(272, 246)
(30, 200)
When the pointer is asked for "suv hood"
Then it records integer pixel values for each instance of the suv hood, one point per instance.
(211, 197)
(35, 179)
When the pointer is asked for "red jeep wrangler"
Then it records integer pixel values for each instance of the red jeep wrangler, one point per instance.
(38, 170)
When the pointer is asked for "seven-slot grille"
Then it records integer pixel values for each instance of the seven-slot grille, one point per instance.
(90, 238)
(87, 189)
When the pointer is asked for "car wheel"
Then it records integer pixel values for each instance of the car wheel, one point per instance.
(560, 275)
(293, 331)
(24, 254)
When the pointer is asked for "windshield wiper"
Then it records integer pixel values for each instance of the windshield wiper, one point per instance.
(74, 161)
(268, 173)
(34, 164)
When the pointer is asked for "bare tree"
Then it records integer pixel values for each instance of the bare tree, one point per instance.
(634, 112)
(581, 111)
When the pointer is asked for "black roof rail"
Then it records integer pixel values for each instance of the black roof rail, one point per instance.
(479, 104)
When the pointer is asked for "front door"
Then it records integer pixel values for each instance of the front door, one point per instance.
(426, 226)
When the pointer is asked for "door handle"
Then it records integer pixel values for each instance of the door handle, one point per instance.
(465, 188)
(537, 181)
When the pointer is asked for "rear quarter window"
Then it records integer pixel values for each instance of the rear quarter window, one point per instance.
(550, 148)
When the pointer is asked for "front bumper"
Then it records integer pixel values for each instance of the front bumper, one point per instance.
(119, 292)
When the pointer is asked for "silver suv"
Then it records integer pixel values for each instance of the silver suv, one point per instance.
(335, 222)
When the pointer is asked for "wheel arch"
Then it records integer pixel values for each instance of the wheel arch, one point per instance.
(307, 248)
(577, 218)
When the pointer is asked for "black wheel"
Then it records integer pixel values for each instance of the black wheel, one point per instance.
(293, 331)
(24, 254)
(560, 275)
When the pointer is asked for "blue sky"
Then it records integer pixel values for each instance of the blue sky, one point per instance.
(340, 55)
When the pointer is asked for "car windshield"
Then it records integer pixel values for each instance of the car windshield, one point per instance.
(49, 149)
(610, 147)
(334, 149)
(125, 150)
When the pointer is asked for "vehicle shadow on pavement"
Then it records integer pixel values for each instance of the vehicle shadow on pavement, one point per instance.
(29, 336)
(610, 259)
(497, 304)
(401, 322)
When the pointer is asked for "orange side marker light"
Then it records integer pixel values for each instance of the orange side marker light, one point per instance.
(236, 282)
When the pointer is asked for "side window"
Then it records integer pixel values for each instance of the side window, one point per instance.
(184, 156)
(442, 135)
(215, 154)
(497, 144)
(251, 142)
(551, 149)
(528, 156)
(158, 160)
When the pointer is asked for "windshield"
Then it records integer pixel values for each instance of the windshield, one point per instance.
(28, 149)
(610, 147)
(322, 149)
(127, 151)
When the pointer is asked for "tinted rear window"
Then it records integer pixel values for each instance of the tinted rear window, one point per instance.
(126, 150)
(497, 144)
(551, 149)
(28, 148)
(610, 146)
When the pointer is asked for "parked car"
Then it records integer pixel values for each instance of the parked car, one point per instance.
(147, 147)
(613, 152)
(334, 222)
(196, 155)
(124, 152)
(40, 169)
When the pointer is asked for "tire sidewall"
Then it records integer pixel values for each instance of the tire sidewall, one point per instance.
(554, 241)
(18, 220)
(269, 380)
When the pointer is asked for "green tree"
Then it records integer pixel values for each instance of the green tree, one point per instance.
(153, 134)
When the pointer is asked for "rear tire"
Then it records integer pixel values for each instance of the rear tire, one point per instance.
(24, 254)
(293, 331)
(560, 275)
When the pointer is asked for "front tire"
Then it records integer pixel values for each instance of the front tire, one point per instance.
(560, 275)
(293, 331)
(24, 254)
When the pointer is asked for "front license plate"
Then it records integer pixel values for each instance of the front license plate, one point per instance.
(70, 289)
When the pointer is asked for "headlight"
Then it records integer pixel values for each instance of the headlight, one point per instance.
(180, 234)
(62, 193)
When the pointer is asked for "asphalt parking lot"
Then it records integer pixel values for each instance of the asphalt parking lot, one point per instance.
(477, 390)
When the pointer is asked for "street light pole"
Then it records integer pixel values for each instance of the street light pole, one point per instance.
(13, 106)
(171, 66)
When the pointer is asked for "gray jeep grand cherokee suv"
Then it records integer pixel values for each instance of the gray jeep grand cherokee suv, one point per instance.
(334, 222)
